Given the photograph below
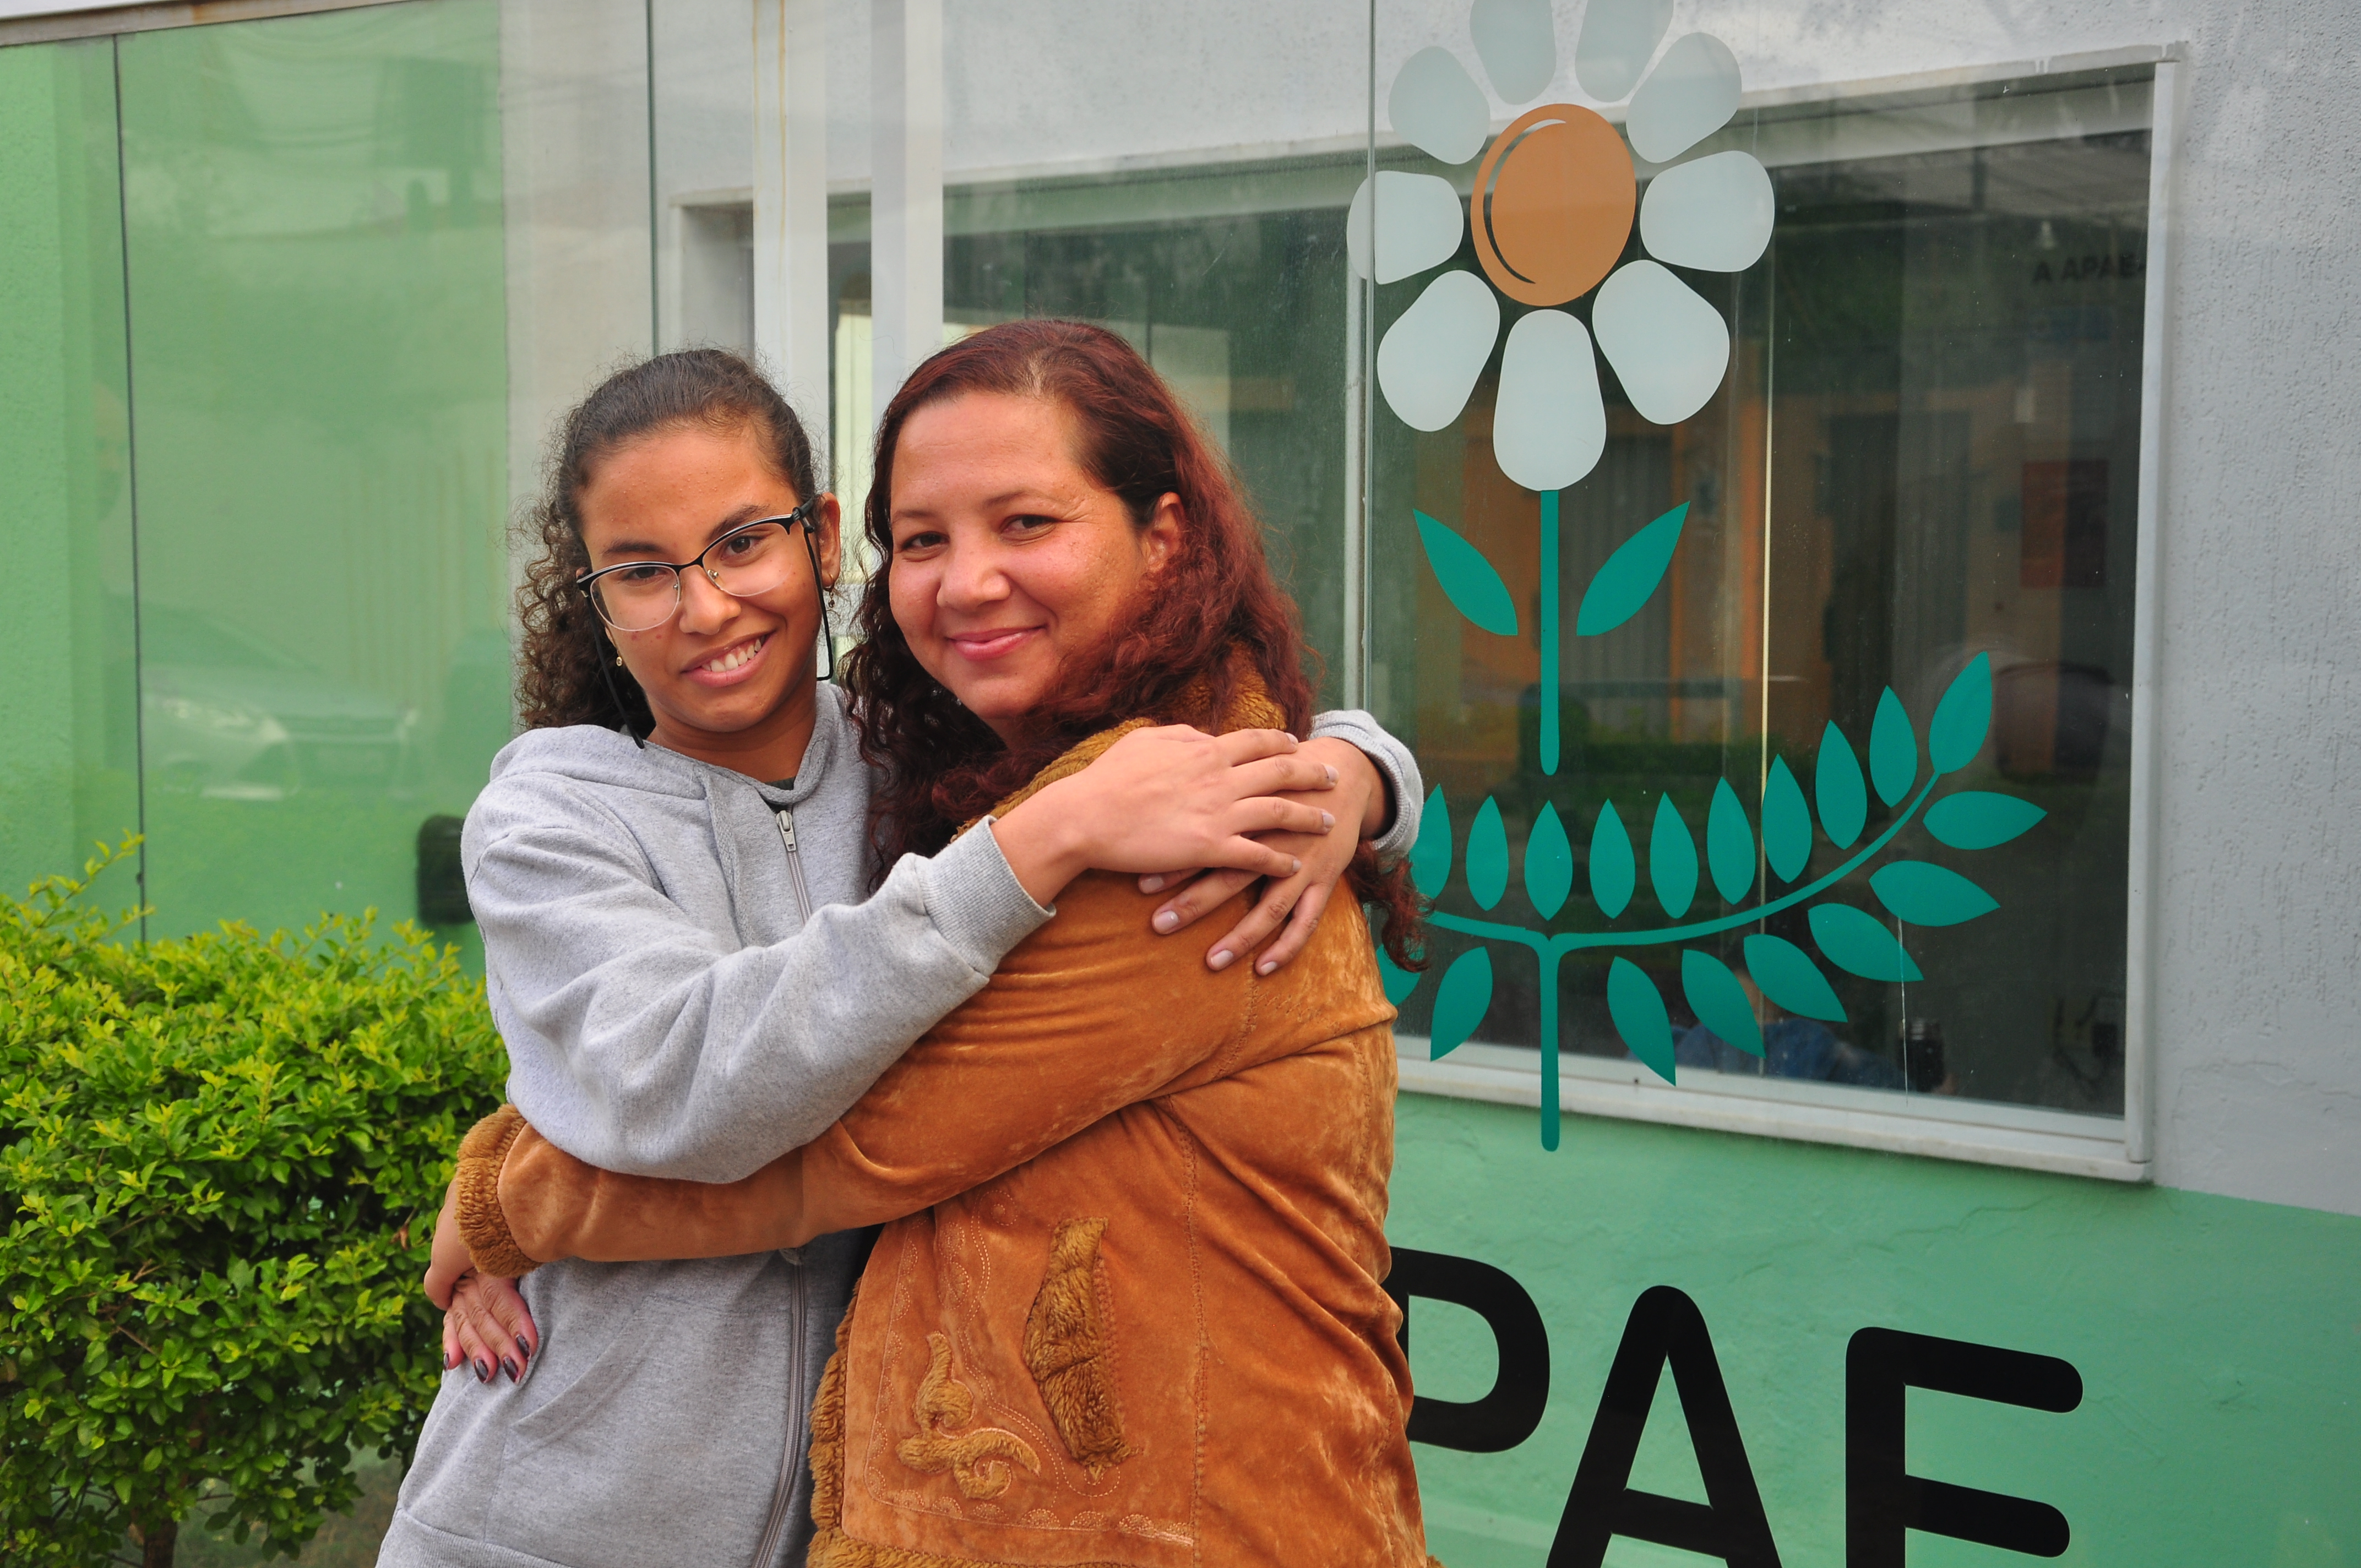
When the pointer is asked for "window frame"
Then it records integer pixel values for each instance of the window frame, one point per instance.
(2117, 1148)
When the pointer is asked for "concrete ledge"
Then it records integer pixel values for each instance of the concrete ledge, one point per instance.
(1936, 1127)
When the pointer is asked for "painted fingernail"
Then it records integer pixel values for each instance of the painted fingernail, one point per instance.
(1151, 884)
(1294, 865)
(1220, 959)
(1166, 920)
(508, 1365)
(483, 1370)
(1267, 966)
(450, 1359)
(1331, 773)
(524, 1350)
(1327, 820)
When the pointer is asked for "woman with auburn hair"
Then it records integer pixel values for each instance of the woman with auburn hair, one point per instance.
(1128, 1308)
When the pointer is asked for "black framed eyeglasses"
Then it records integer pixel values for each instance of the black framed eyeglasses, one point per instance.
(752, 558)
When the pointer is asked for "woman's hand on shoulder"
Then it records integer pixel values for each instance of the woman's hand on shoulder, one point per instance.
(1170, 796)
(1287, 909)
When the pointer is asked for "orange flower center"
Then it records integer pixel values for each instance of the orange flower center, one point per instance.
(1553, 204)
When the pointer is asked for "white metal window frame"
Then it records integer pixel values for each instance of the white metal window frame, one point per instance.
(2116, 1148)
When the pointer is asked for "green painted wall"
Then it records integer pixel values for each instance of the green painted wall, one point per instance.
(65, 506)
(2219, 1340)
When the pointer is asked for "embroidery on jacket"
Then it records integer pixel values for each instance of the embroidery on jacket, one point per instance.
(1068, 1352)
(979, 1460)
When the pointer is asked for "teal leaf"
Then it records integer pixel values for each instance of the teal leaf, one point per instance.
(1638, 1010)
(1860, 943)
(1956, 733)
(1672, 859)
(1488, 855)
(1630, 574)
(1844, 800)
(1468, 581)
(1786, 823)
(1786, 974)
(1720, 1003)
(1549, 863)
(1613, 870)
(1430, 857)
(1399, 982)
(1460, 1002)
(1921, 893)
(1979, 819)
(1728, 845)
(1892, 749)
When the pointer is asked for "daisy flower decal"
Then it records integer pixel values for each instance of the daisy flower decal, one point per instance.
(1555, 196)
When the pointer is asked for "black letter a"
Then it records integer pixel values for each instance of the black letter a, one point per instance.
(1665, 1326)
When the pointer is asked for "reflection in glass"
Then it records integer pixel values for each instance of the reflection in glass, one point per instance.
(1920, 457)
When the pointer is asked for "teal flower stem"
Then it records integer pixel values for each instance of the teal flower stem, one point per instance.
(1550, 693)
(1550, 950)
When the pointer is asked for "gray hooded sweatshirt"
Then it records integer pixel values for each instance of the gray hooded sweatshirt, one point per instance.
(693, 976)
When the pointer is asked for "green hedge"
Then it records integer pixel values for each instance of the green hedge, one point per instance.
(220, 1162)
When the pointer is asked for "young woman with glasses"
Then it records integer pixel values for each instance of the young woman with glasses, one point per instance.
(700, 961)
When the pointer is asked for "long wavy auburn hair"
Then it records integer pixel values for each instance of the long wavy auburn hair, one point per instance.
(1181, 653)
(560, 678)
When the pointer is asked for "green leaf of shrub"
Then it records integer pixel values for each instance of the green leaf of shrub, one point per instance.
(1922, 893)
(1786, 823)
(1860, 943)
(1956, 733)
(1837, 785)
(1786, 973)
(1980, 819)
(1672, 859)
(1613, 870)
(1430, 856)
(1728, 845)
(1468, 581)
(1720, 1002)
(1488, 855)
(1549, 863)
(1630, 576)
(1892, 749)
(1633, 1002)
(1460, 1002)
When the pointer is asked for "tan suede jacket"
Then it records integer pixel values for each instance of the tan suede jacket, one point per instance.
(1129, 1310)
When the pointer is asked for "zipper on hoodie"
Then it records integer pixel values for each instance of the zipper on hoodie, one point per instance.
(775, 1529)
(796, 864)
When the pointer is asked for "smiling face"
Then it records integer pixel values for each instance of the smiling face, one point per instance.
(729, 680)
(1009, 557)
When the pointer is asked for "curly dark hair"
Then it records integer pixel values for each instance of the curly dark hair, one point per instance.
(564, 667)
(1180, 654)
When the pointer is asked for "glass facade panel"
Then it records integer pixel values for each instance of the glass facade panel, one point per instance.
(69, 770)
(316, 295)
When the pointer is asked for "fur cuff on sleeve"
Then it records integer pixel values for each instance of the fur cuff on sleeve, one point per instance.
(486, 1228)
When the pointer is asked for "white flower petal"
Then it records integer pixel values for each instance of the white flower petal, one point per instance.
(1550, 424)
(1518, 44)
(1429, 360)
(1617, 37)
(1418, 222)
(1668, 346)
(1437, 107)
(1690, 94)
(1714, 214)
